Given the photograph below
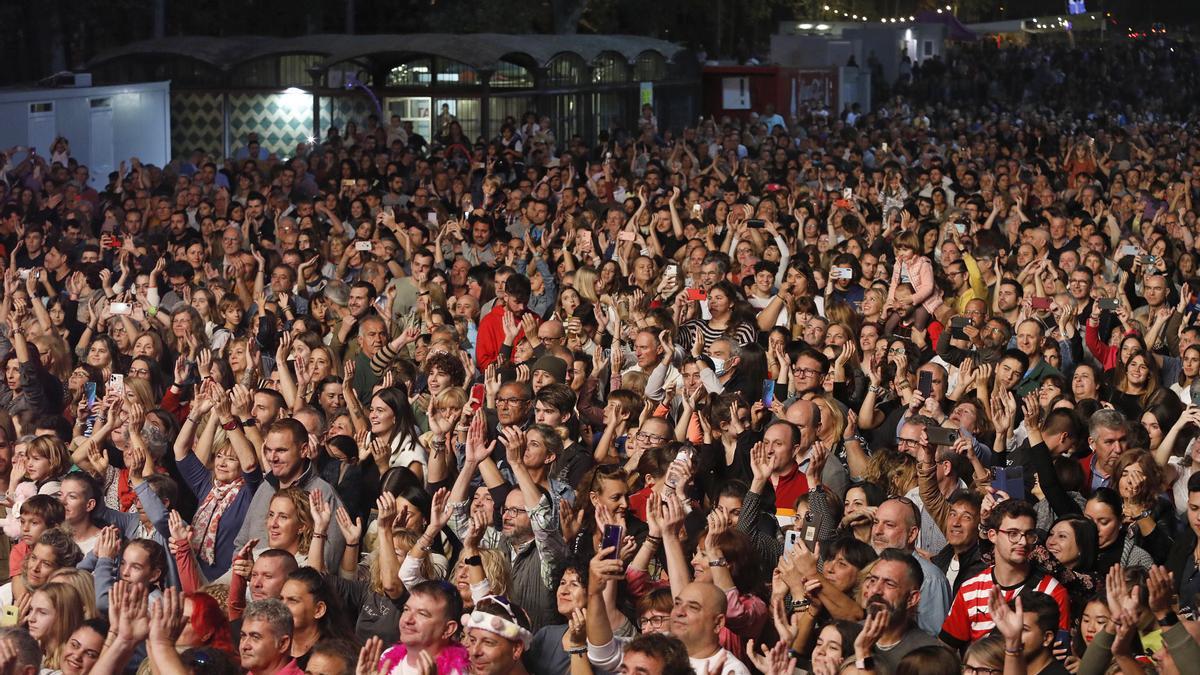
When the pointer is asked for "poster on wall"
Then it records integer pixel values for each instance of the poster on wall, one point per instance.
(814, 89)
(735, 93)
(646, 92)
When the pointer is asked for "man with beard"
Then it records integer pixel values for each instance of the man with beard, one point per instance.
(1011, 529)
(894, 588)
(530, 531)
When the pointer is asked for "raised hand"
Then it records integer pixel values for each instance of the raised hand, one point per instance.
(321, 513)
(368, 657)
(386, 506)
(351, 529)
(180, 530)
(166, 617)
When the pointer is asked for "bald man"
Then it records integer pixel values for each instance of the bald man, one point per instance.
(697, 620)
(807, 417)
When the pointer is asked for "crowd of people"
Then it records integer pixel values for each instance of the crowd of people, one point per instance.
(915, 390)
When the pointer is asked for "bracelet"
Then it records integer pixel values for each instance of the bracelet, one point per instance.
(230, 425)
(318, 535)
(1012, 652)
(576, 651)
(352, 543)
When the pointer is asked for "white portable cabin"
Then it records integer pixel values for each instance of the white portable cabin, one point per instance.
(104, 125)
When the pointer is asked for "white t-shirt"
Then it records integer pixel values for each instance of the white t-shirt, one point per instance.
(731, 667)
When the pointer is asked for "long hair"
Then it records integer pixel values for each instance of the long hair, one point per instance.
(68, 614)
(83, 583)
(396, 398)
(333, 623)
(299, 499)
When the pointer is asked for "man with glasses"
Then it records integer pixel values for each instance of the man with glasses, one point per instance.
(1012, 530)
(809, 369)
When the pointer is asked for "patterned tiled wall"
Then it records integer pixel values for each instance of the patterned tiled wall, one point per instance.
(281, 120)
(195, 122)
(355, 107)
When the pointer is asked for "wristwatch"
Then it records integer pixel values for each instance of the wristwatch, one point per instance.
(867, 663)
(1169, 620)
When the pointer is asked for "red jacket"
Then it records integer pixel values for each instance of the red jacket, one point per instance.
(490, 336)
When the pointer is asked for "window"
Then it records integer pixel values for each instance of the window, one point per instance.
(293, 69)
(510, 75)
(565, 69)
(610, 68)
(453, 72)
(105, 102)
(413, 73)
(650, 66)
(35, 108)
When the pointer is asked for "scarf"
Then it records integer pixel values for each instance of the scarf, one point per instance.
(452, 660)
(208, 517)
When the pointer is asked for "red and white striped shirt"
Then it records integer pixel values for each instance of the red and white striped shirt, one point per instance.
(970, 618)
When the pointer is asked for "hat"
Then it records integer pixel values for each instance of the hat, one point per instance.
(553, 365)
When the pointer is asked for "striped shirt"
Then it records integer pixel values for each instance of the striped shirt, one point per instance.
(970, 618)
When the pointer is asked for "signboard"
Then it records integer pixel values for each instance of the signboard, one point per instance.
(735, 93)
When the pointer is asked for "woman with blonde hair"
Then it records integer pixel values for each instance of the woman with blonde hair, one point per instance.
(84, 583)
(585, 283)
(289, 524)
(56, 358)
(55, 611)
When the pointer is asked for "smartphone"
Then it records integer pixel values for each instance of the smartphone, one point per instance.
(1148, 259)
(810, 527)
(347, 183)
(671, 271)
(1111, 304)
(114, 242)
(768, 393)
(789, 540)
(697, 294)
(612, 537)
(1011, 481)
(120, 308)
(362, 246)
(925, 383)
(941, 436)
(626, 235)
(1062, 638)
(476, 397)
(756, 223)
(8, 616)
(961, 227)
(432, 217)
(24, 274)
(957, 324)
(1039, 303)
(89, 389)
(116, 384)
(848, 194)
(697, 210)
(841, 273)
(1128, 251)
(883, 147)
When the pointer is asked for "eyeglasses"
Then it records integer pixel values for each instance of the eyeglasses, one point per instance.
(807, 372)
(1015, 536)
(511, 511)
(895, 352)
(981, 670)
(643, 436)
(653, 621)
(909, 442)
(511, 401)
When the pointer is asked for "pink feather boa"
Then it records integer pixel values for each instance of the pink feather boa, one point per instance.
(453, 660)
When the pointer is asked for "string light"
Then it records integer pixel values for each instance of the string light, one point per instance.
(863, 17)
